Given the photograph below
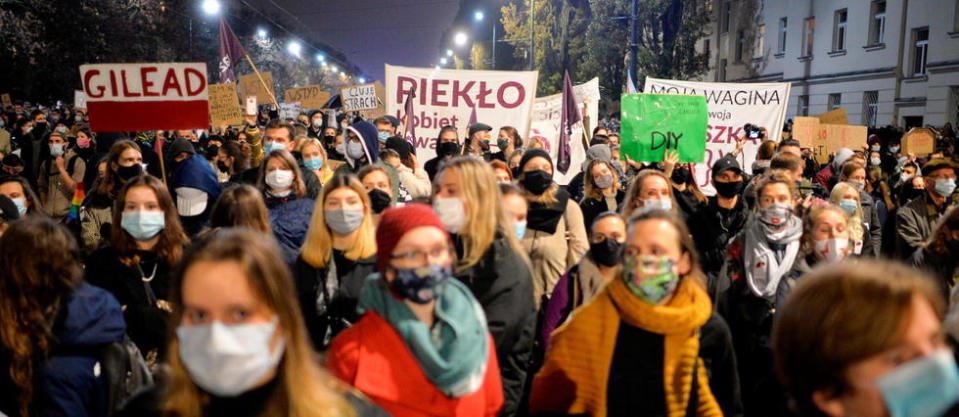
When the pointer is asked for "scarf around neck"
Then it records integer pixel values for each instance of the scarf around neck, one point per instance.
(544, 217)
(453, 353)
(763, 270)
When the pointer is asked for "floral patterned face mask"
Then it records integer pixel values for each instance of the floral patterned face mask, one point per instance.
(651, 278)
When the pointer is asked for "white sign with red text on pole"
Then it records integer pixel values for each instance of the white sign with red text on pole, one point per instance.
(546, 125)
(137, 97)
(447, 97)
(731, 106)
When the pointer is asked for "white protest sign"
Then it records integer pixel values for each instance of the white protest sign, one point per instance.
(289, 111)
(448, 97)
(359, 97)
(731, 105)
(79, 100)
(546, 125)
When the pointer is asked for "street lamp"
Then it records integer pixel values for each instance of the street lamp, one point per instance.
(478, 16)
(294, 48)
(443, 61)
(362, 80)
(460, 39)
(333, 68)
(211, 7)
(320, 58)
(449, 52)
(261, 33)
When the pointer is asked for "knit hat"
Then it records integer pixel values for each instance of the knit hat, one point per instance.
(842, 155)
(532, 153)
(180, 146)
(396, 222)
(400, 145)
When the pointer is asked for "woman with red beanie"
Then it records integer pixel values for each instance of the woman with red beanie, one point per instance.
(421, 347)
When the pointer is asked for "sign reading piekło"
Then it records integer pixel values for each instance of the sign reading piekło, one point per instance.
(136, 97)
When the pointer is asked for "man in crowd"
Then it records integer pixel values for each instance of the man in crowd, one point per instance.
(915, 221)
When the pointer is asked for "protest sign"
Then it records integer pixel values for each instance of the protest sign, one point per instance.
(545, 125)
(309, 97)
(448, 97)
(135, 97)
(359, 97)
(251, 106)
(224, 105)
(250, 85)
(79, 100)
(920, 141)
(825, 139)
(655, 123)
(834, 117)
(730, 107)
(289, 111)
(5, 100)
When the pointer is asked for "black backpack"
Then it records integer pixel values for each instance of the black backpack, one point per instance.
(125, 373)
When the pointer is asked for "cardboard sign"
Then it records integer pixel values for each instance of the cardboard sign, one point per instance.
(824, 139)
(5, 100)
(251, 106)
(655, 123)
(289, 111)
(224, 105)
(834, 117)
(920, 141)
(250, 85)
(380, 109)
(137, 97)
(309, 97)
(79, 100)
(359, 97)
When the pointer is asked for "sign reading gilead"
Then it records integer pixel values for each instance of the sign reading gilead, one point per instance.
(136, 97)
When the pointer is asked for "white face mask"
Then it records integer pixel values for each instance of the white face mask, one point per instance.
(451, 213)
(832, 250)
(279, 179)
(227, 361)
(653, 204)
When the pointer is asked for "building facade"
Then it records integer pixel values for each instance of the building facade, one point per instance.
(886, 62)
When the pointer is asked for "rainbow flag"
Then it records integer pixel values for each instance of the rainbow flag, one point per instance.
(73, 217)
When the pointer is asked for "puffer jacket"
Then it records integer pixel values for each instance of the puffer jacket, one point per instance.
(328, 296)
(290, 220)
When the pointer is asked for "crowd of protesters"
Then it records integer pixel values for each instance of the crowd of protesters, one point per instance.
(310, 268)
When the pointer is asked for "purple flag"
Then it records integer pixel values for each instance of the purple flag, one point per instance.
(408, 120)
(569, 116)
(231, 52)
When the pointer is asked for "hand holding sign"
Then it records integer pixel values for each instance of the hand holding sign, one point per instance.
(654, 123)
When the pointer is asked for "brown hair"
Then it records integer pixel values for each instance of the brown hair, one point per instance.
(589, 183)
(241, 205)
(36, 207)
(40, 266)
(630, 203)
(848, 168)
(786, 161)
(172, 238)
(776, 176)
(513, 134)
(497, 164)
(686, 242)
(766, 150)
(839, 315)
(299, 188)
(809, 223)
(280, 124)
(303, 389)
(111, 183)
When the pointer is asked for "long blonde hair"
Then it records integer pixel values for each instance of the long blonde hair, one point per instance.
(484, 203)
(303, 388)
(318, 247)
(854, 221)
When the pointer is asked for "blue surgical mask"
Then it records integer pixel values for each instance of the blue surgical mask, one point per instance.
(21, 204)
(272, 146)
(874, 148)
(313, 163)
(849, 206)
(894, 149)
(651, 204)
(520, 228)
(945, 186)
(143, 225)
(924, 387)
(383, 136)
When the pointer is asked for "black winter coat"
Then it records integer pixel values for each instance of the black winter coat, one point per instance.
(712, 228)
(592, 207)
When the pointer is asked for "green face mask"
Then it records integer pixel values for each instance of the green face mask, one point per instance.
(650, 278)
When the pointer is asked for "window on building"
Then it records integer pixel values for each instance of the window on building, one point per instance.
(870, 108)
(725, 15)
(877, 26)
(803, 105)
(839, 30)
(760, 41)
(835, 101)
(781, 48)
(912, 121)
(920, 51)
(722, 69)
(808, 30)
(740, 43)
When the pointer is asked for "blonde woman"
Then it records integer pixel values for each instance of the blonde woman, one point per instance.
(339, 252)
(846, 197)
(238, 345)
(555, 237)
(491, 263)
(651, 190)
(316, 170)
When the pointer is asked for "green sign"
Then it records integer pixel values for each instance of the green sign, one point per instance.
(651, 124)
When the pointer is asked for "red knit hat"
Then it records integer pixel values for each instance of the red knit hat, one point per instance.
(396, 222)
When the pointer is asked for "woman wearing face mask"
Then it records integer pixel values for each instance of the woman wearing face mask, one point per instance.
(585, 280)
(145, 245)
(552, 216)
(86, 147)
(238, 347)
(17, 189)
(421, 347)
(508, 142)
(517, 208)
(649, 343)
(756, 260)
(845, 196)
(880, 193)
(826, 239)
(337, 256)
(491, 263)
(124, 161)
(651, 190)
(290, 209)
(316, 171)
(231, 160)
(379, 188)
(689, 200)
(855, 174)
(602, 190)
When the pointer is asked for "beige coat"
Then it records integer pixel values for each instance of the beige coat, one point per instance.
(554, 254)
(416, 182)
(54, 190)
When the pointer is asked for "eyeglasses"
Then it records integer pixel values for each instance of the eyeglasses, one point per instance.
(434, 253)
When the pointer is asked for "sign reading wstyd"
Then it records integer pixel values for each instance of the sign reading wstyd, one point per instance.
(655, 123)
(135, 97)
(359, 97)
(309, 97)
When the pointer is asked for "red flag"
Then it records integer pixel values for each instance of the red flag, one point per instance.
(569, 116)
(231, 52)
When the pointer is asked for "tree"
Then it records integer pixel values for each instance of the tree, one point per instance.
(558, 26)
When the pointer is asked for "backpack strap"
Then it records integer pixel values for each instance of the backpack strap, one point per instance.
(71, 164)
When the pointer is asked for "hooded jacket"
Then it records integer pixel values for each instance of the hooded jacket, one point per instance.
(366, 131)
(196, 172)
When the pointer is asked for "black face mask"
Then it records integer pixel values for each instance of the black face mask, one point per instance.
(516, 172)
(536, 182)
(448, 149)
(222, 166)
(379, 199)
(605, 253)
(125, 173)
(728, 189)
(681, 175)
(329, 139)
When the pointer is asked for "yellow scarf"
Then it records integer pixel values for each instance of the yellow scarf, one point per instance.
(576, 372)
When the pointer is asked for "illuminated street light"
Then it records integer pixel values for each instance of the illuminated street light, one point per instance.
(478, 16)
(460, 39)
(449, 52)
(261, 33)
(211, 7)
(320, 58)
(362, 80)
(333, 68)
(443, 61)
(294, 48)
